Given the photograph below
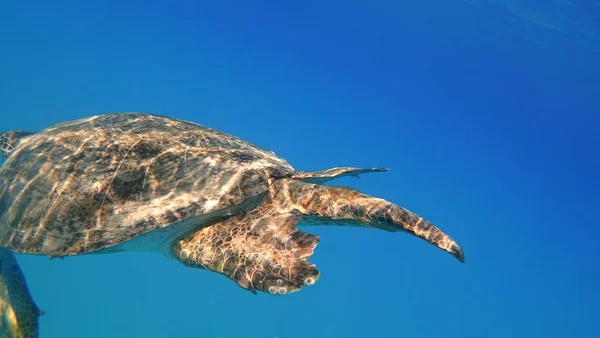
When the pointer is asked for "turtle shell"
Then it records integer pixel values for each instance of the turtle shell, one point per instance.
(91, 184)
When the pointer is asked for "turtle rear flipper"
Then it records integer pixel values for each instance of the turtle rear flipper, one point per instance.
(259, 250)
(18, 312)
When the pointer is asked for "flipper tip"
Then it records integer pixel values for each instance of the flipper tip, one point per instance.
(458, 253)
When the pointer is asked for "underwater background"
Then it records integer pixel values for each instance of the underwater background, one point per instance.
(487, 112)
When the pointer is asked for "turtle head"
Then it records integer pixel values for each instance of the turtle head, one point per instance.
(10, 140)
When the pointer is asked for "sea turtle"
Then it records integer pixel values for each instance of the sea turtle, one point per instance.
(134, 181)
(18, 312)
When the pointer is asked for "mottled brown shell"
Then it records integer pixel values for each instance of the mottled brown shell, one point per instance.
(91, 184)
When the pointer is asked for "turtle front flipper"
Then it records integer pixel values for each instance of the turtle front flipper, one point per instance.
(259, 250)
(329, 205)
(323, 176)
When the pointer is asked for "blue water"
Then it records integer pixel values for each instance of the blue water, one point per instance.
(487, 112)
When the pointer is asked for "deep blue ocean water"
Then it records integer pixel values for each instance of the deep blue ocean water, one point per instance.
(487, 112)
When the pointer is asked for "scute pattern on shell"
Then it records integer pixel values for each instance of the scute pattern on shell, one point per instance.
(90, 184)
